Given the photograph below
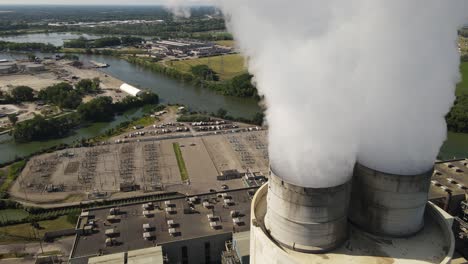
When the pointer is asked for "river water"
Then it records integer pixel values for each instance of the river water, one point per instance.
(56, 39)
(170, 91)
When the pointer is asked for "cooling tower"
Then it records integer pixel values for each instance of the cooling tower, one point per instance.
(308, 220)
(388, 204)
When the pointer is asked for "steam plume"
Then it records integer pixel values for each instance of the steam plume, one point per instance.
(366, 80)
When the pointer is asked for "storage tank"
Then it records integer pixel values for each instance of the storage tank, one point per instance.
(389, 204)
(310, 220)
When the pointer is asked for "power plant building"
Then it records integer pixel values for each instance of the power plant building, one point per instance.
(433, 244)
(375, 217)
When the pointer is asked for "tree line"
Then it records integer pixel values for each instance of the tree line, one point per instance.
(66, 97)
(203, 76)
(13, 46)
(85, 43)
(457, 118)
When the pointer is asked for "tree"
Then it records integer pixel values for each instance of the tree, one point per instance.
(258, 118)
(221, 113)
(61, 94)
(13, 118)
(241, 86)
(149, 98)
(205, 73)
(457, 118)
(98, 109)
(87, 86)
(31, 57)
(22, 94)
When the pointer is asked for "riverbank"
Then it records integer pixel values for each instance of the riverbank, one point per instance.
(237, 83)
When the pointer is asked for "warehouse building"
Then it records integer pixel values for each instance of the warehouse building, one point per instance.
(131, 90)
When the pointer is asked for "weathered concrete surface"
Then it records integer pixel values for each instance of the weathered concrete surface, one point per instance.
(307, 219)
(389, 204)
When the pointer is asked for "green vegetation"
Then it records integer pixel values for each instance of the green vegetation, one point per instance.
(13, 118)
(13, 255)
(182, 28)
(22, 94)
(61, 94)
(125, 127)
(40, 128)
(7, 215)
(205, 73)
(14, 171)
(462, 87)
(25, 232)
(227, 66)
(107, 52)
(12, 46)
(72, 217)
(227, 43)
(87, 86)
(193, 118)
(457, 119)
(85, 43)
(240, 85)
(99, 109)
(17, 95)
(180, 162)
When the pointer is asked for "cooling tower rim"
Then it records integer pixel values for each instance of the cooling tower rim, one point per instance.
(295, 187)
(360, 166)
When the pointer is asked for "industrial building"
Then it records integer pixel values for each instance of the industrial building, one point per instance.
(131, 90)
(376, 217)
(194, 229)
(449, 189)
(8, 67)
(433, 244)
(184, 48)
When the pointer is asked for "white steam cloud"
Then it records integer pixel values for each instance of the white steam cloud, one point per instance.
(346, 81)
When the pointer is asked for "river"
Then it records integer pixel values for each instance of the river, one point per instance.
(56, 39)
(170, 91)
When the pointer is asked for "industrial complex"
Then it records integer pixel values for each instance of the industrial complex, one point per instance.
(225, 204)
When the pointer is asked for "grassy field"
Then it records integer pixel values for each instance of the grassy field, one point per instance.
(12, 215)
(24, 232)
(462, 87)
(13, 171)
(227, 43)
(180, 162)
(227, 66)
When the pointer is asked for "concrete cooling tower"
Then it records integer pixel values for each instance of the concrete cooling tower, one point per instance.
(388, 204)
(388, 220)
(307, 219)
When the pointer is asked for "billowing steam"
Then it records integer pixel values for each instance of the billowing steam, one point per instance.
(347, 81)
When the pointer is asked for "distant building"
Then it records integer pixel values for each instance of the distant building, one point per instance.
(7, 68)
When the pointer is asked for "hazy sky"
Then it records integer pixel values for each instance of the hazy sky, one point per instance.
(83, 2)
